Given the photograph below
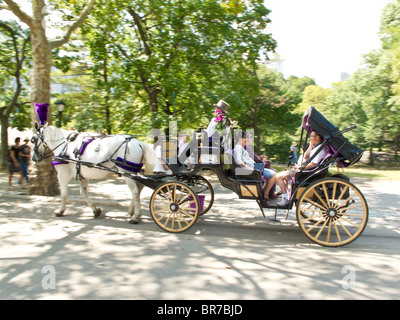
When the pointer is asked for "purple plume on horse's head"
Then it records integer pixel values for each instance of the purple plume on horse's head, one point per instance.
(41, 110)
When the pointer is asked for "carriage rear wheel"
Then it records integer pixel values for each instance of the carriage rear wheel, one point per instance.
(174, 206)
(332, 212)
(205, 192)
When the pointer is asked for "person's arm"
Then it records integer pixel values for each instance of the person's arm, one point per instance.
(13, 158)
(211, 127)
(239, 157)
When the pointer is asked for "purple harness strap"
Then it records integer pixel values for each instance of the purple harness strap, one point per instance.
(127, 165)
(59, 161)
(81, 150)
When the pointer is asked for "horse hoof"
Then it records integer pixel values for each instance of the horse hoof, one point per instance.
(97, 212)
(134, 221)
(59, 214)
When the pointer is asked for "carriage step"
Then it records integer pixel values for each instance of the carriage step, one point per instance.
(273, 204)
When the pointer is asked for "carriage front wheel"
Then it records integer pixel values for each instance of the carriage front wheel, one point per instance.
(332, 212)
(174, 206)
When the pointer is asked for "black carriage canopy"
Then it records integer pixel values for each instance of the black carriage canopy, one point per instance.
(347, 153)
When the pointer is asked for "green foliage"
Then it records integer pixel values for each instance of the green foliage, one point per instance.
(137, 65)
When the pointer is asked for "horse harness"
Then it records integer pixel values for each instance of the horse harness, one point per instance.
(64, 158)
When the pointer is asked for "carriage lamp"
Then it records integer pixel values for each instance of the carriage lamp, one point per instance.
(60, 108)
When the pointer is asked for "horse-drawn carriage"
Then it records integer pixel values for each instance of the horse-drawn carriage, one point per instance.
(330, 210)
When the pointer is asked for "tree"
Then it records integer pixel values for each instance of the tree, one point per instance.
(191, 48)
(390, 32)
(12, 57)
(42, 181)
(313, 95)
(363, 99)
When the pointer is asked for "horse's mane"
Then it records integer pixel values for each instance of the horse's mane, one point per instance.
(55, 134)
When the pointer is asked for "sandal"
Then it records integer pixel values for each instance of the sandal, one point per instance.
(265, 202)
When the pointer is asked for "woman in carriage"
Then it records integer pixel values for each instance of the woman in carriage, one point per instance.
(284, 177)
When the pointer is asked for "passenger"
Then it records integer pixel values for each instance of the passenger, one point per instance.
(243, 159)
(258, 159)
(282, 178)
(182, 147)
(250, 142)
(160, 166)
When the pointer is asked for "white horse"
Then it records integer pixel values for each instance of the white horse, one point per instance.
(98, 150)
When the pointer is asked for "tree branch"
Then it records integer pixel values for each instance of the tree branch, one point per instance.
(14, 7)
(142, 32)
(85, 12)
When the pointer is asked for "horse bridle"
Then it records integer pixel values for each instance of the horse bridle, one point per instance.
(37, 140)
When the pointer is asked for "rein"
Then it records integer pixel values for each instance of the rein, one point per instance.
(40, 139)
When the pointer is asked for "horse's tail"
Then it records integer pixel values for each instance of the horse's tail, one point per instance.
(149, 157)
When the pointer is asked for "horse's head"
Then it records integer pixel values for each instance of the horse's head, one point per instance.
(40, 147)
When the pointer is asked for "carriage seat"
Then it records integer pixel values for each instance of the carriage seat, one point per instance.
(176, 166)
(236, 171)
(318, 172)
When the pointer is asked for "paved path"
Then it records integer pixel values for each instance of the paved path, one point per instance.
(231, 252)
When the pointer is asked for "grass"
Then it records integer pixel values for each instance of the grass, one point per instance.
(383, 170)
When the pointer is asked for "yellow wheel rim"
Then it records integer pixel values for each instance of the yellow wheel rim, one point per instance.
(332, 212)
(174, 207)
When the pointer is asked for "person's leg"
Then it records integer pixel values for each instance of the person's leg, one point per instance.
(271, 176)
(281, 180)
(10, 180)
(21, 180)
(24, 168)
(270, 184)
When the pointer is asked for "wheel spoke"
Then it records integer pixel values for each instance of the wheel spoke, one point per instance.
(328, 236)
(326, 195)
(322, 228)
(350, 222)
(322, 201)
(342, 194)
(337, 232)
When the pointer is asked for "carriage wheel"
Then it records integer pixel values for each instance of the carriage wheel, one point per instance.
(332, 212)
(174, 206)
(202, 187)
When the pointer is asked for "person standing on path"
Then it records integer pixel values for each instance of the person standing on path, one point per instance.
(24, 156)
(14, 165)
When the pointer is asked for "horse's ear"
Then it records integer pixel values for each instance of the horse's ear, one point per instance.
(46, 124)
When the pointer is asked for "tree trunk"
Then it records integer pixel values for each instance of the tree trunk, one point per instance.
(42, 179)
(371, 156)
(4, 142)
